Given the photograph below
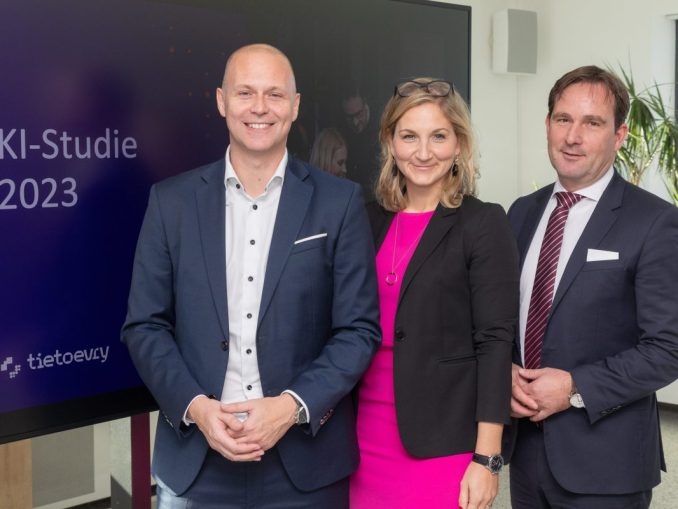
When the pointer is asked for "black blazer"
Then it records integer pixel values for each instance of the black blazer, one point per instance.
(454, 327)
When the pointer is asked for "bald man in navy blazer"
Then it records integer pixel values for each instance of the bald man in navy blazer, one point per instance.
(254, 284)
(588, 431)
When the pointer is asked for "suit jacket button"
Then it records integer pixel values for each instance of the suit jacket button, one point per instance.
(327, 416)
(399, 334)
(224, 345)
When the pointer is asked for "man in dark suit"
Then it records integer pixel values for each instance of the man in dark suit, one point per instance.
(254, 284)
(598, 314)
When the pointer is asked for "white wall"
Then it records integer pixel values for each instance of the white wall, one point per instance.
(605, 33)
(494, 108)
(509, 110)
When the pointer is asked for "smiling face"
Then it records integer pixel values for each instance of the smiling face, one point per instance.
(424, 146)
(582, 140)
(259, 101)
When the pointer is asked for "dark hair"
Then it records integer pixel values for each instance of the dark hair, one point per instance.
(597, 76)
(350, 90)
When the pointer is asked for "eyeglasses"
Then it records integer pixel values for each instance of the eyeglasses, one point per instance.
(435, 88)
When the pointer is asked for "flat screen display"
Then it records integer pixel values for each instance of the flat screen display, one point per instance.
(102, 98)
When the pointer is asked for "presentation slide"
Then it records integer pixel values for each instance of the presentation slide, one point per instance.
(102, 98)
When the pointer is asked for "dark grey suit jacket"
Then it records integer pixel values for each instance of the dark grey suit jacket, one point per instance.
(614, 326)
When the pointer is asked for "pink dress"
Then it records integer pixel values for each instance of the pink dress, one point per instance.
(388, 476)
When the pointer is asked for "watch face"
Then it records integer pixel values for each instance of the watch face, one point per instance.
(302, 417)
(577, 401)
(495, 463)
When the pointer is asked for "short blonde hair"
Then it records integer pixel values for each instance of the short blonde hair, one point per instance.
(391, 187)
(324, 147)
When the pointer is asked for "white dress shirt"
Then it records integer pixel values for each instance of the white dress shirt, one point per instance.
(249, 230)
(578, 217)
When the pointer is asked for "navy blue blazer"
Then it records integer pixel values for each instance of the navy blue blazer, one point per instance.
(614, 326)
(318, 322)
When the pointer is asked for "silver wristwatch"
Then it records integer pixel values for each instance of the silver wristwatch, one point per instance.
(300, 417)
(575, 398)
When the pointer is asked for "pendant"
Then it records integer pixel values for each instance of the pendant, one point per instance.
(391, 278)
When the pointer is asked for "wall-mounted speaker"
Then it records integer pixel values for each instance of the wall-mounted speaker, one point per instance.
(514, 41)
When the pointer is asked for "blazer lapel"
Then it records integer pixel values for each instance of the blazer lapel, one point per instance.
(295, 198)
(210, 203)
(380, 229)
(602, 219)
(442, 221)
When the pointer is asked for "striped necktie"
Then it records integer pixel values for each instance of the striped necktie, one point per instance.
(545, 279)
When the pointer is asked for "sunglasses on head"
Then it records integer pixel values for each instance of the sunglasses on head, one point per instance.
(435, 88)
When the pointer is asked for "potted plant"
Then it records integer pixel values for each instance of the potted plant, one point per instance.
(652, 137)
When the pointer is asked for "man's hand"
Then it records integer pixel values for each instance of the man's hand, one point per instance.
(550, 388)
(267, 421)
(478, 487)
(522, 404)
(218, 427)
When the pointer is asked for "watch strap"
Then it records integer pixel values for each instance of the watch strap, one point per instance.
(493, 463)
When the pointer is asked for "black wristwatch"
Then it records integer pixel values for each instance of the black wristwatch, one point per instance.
(493, 463)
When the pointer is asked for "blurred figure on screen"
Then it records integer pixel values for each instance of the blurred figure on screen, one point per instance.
(253, 311)
(361, 136)
(356, 111)
(329, 152)
(433, 403)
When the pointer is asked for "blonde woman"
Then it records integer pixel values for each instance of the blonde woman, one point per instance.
(432, 406)
(329, 152)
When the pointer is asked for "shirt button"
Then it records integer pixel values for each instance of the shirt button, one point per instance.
(248, 351)
(399, 334)
(249, 315)
(224, 345)
(255, 207)
(252, 242)
(250, 279)
(237, 186)
(249, 387)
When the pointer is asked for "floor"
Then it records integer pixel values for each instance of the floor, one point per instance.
(665, 496)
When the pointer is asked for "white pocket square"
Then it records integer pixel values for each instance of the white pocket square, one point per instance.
(306, 239)
(598, 255)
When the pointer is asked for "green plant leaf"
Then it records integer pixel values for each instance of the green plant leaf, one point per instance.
(652, 136)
